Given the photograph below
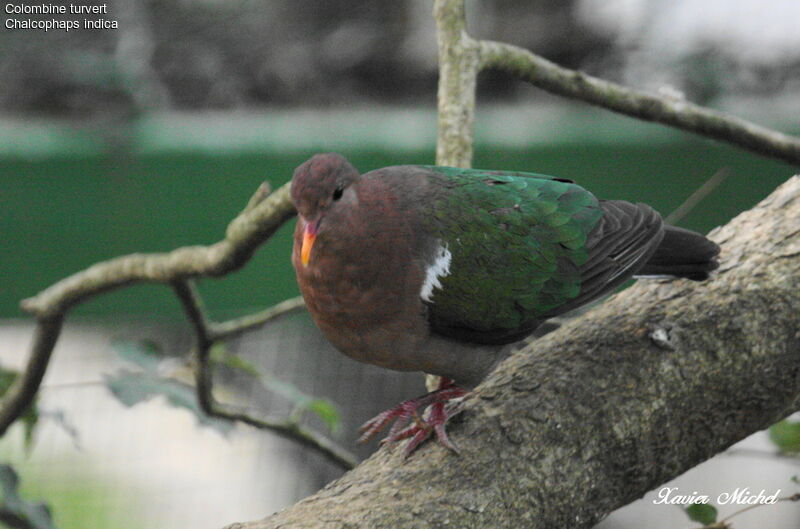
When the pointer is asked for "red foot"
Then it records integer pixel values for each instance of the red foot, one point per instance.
(422, 426)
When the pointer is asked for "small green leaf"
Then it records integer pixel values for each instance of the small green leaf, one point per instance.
(16, 511)
(323, 408)
(31, 415)
(786, 435)
(327, 412)
(220, 355)
(704, 513)
(131, 388)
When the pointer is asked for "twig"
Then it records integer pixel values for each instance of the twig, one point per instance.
(695, 198)
(749, 452)
(261, 193)
(235, 327)
(675, 112)
(193, 305)
(187, 293)
(292, 431)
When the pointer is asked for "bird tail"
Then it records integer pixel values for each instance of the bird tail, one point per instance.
(682, 253)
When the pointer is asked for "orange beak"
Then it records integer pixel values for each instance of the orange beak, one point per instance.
(309, 236)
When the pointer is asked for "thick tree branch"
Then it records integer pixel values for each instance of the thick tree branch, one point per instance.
(595, 414)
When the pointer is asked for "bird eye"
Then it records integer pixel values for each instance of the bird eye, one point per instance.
(337, 193)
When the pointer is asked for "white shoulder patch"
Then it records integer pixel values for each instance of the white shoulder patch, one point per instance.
(440, 268)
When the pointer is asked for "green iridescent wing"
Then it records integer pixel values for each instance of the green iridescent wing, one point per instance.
(517, 241)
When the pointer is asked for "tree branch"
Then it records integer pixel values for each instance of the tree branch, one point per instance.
(237, 326)
(595, 414)
(695, 198)
(21, 394)
(675, 112)
(459, 63)
(461, 58)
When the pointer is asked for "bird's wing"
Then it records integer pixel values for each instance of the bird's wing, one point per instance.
(621, 243)
(525, 247)
(516, 243)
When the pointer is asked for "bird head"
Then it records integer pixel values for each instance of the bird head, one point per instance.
(321, 186)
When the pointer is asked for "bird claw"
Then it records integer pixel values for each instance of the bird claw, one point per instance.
(422, 426)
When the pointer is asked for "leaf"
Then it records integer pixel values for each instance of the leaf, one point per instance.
(15, 511)
(144, 354)
(704, 513)
(31, 416)
(786, 435)
(323, 408)
(326, 411)
(220, 355)
(131, 388)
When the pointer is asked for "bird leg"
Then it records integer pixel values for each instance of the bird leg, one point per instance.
(423, 425)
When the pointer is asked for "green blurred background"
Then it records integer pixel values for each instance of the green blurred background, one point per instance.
(68, 202)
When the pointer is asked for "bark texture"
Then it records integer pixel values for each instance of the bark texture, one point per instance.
(595, 414)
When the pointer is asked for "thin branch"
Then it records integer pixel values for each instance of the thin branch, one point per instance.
(72, 385)
(237, 326)
(778, 456)
(675, 112)
(292, 431)
(263, 191)
(193, 305)
(459, 64)
(695, 198)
